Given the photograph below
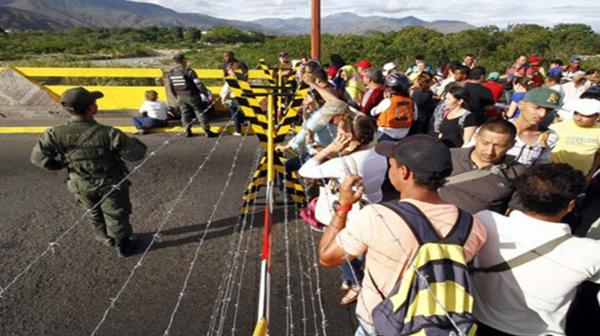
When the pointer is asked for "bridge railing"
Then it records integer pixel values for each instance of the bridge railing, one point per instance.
(122, 97)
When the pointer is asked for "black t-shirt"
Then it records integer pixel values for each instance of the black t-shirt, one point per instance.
(479, 97)
(452, 132)
(425, 103)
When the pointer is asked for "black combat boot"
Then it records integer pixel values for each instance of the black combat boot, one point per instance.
(188, 131)
(125, 247)
(210, 134)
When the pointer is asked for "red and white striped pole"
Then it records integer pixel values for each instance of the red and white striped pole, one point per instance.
(262, 325)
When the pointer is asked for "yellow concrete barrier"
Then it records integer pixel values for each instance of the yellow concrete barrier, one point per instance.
(119, 97)
(92, 72)
(116, 97)
(124, 72)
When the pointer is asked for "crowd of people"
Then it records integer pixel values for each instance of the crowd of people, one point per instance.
(495, 230)
(499, 165)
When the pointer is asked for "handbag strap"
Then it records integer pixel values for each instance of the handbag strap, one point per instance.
(525, 257)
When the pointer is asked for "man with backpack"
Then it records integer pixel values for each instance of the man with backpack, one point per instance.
(528, 271)
(415, 248)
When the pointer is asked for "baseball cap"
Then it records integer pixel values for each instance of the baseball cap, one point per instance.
(332, 71)
(283, 54)
(535, 60)
(365, 64)
(423, 154)
(575, 59)
(388, 67)
(543, 97)
(329, 110)
(78, 99)
(493, 75)
(579, 74)
(583, 106)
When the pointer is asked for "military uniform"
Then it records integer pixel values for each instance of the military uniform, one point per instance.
(187, 88)
(93, 156)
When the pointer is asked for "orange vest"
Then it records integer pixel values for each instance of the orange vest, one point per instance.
(399, 115)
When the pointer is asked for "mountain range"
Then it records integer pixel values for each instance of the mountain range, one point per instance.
(63, 14)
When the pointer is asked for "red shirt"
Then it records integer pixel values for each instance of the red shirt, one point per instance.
(496, 88)
(371, 100)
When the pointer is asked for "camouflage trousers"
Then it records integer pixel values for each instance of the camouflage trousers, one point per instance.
(110, 219)
(190, 107)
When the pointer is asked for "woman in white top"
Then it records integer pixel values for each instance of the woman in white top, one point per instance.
(352, 151)
(354, 143)
(154, 113)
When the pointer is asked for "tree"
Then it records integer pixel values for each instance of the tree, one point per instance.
(192, 34)
(176, 33)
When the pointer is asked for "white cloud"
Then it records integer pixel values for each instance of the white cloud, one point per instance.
(483, 12)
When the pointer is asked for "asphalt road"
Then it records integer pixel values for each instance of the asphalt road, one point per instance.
(69, 290)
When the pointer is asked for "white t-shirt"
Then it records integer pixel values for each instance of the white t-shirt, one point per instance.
(367, 164)
(531, 299)
(155, 109)
(396, 133)
(571, 92)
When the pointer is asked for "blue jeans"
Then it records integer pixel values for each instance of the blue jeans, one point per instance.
(238, 117)
(362, 331)
(145, 122)
(353, 272)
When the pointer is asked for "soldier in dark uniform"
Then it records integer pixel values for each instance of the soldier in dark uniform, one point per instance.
(187, 88)
(93, 155)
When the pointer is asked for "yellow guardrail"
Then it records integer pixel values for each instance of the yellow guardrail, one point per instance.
(91, 72)
(116, 97)
(120, 97)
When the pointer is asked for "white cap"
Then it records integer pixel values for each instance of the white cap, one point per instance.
(583, 106)
(387, 67)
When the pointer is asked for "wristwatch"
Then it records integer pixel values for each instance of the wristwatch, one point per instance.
(343, 208)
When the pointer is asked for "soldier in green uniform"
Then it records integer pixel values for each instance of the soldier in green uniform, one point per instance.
(185, 85)
(93, 155)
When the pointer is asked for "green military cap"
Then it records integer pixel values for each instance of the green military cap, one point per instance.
(543, 97)
(78, 99)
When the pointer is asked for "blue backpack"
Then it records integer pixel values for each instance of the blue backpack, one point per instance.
(412, 307)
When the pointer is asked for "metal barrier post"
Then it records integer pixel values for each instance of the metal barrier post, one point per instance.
(262, 325)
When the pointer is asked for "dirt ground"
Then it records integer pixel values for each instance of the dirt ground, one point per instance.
(68, 291)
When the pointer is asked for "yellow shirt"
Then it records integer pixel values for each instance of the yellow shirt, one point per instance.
(576, 145)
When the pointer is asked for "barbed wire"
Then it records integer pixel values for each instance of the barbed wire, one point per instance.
(311, 288)
(289, 329)
(156, 235)
(231, 284)
(53, 244)
(243, 268)
(301, 273)
(234, 254)
(202, 239)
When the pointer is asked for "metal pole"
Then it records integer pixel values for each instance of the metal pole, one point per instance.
(315, 45)
(262, 326)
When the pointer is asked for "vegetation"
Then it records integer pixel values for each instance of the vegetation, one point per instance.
(495, 48)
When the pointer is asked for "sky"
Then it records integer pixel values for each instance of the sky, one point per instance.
(476, 12)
